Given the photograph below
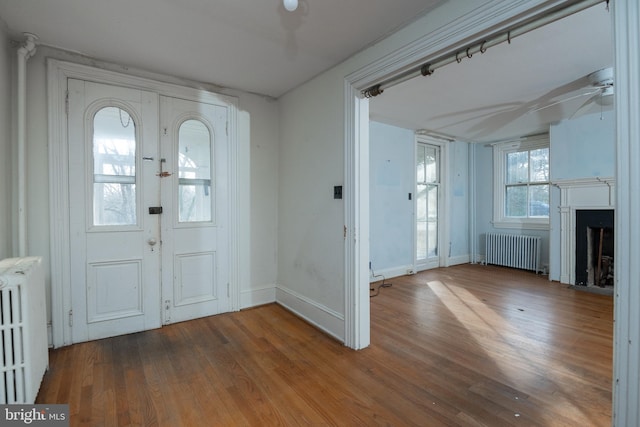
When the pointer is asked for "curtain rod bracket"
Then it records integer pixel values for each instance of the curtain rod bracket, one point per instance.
(372, 91)
(426, 70)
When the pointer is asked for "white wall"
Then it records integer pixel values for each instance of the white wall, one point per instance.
(311, 243)
(258, 120)
(5, 144)
(265, 136)
(580, 148)
(458, 251)
(311, 247)
(391, 179)
(583, 147)
(484, 206)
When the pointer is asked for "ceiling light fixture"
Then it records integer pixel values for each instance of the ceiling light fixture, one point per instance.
(290, 5)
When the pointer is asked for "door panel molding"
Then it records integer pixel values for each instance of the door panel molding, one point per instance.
(188, 263)
(58, 72)
(114, 307)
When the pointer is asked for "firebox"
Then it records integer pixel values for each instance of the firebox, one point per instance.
(594, 247)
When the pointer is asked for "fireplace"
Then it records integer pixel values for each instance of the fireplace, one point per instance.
(594, 248)
(595, 195)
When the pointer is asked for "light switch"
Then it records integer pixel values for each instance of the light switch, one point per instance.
(337, 192)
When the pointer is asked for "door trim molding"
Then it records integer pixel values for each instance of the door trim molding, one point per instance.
(490, 15)
(58, 72)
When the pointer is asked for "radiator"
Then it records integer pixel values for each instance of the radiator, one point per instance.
(511, 250)
(24, 354)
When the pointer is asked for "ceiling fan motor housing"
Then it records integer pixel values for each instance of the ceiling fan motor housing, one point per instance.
(602, 77)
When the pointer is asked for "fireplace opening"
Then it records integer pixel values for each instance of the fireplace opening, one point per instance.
(594, 248)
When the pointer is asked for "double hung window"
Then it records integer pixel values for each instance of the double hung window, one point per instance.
(521, 183)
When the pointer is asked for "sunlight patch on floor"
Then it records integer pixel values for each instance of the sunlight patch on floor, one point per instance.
(486, 328)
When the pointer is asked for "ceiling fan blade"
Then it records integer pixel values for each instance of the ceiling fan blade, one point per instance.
(584, 107)
(563, 100)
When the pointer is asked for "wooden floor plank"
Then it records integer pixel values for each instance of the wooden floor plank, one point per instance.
(462, 346)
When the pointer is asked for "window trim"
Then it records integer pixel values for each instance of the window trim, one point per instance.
(499, 175)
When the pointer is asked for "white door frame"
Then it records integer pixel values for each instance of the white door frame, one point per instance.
(57, 74)
(497, 14)
(626, 24)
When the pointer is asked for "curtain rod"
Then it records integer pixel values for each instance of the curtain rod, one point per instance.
(479, 46)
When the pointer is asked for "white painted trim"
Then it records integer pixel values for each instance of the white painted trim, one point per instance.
(390, 273)
(460, 259)
(405, 270)
(473, 237)
(256, 297)
(444, 205)
(318, 315)
(58, 72)
(626, 345)
(357, 239)
(488, 18)
(495, 15)
(499, 171)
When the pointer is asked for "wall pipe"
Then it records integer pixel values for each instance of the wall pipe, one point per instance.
(26, 51)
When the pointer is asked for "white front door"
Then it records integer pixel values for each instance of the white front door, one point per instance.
(148, 210)
(115, 268)
(195, 225)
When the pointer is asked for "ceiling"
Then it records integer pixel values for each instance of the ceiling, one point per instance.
(259, 47)
(492, 96)
(256, 46)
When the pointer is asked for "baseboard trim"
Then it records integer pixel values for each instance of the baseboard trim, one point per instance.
(325, 319)
(461, 259)
(256, 297)
(403, 270)
(390, 273)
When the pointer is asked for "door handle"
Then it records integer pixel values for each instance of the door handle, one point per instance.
(152, 241)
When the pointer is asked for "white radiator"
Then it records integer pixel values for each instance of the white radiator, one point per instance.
(512, 250)
(24, 355)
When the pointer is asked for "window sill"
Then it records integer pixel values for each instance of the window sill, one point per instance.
(522, 225)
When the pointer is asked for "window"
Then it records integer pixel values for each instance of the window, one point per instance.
(194, 183)
(427, 188)
(521, 183)
(114, 168)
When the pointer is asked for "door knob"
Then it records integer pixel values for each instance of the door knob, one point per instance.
(152, 241)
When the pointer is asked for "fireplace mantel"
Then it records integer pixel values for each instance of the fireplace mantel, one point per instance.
(587, 193)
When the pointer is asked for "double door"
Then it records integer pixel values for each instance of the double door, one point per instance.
(148, 209)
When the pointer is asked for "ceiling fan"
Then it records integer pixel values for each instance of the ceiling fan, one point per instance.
(600, 92)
